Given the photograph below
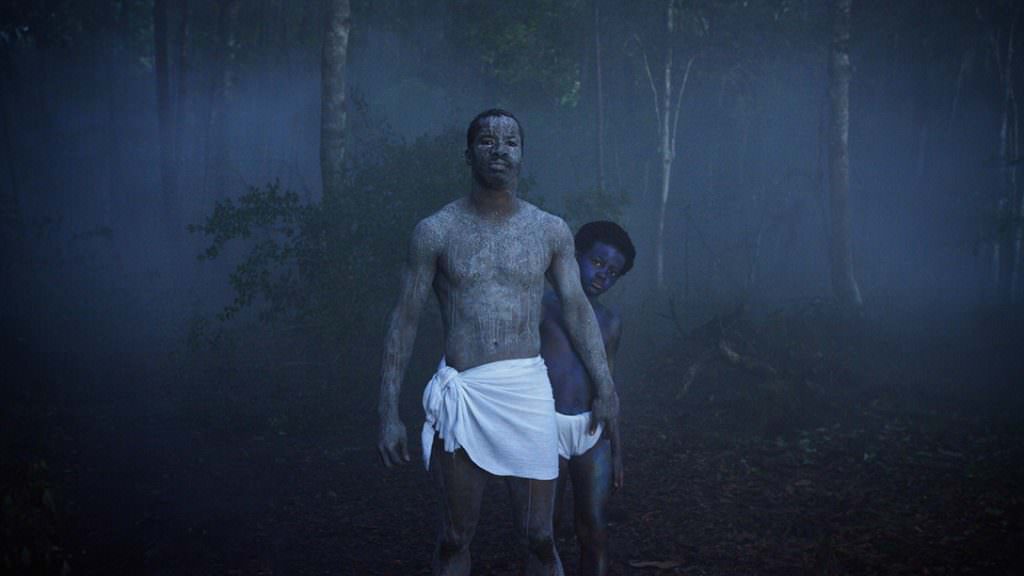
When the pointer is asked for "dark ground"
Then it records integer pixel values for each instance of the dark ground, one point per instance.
(801, 445)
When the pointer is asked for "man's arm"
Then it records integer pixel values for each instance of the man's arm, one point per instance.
(417, 278)
(581, 324)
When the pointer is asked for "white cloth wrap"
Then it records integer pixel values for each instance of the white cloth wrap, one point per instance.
(574, 437)
(502, 414)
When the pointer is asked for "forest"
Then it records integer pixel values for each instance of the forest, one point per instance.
(205, 208)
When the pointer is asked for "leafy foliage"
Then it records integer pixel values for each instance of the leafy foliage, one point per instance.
(594, 204)
(29, 518)
(530, 47)
(284, 246)
(335, 263)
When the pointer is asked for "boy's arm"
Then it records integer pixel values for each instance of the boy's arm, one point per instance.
(611, 349)
(581, 325)
(417, 278)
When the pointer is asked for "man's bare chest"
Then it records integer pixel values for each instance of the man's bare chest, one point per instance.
(509, 255)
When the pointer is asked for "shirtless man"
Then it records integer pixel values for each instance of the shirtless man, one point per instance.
(592, 462)
(489, 408)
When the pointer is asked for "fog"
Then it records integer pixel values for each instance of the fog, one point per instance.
(118, 365)
(750, 160)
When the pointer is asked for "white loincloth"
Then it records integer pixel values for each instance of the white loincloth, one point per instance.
(502, 414)
(574, 437)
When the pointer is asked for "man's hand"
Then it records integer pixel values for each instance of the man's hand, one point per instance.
(603, 410)
(393, 444)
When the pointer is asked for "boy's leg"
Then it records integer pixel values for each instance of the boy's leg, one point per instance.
(591, 474)
(533, 503)
(560, 520)
(461, 486)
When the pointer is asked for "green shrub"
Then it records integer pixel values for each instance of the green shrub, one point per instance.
(334, 264)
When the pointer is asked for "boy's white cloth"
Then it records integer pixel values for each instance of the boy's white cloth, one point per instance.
(574, 437)
(502, 414)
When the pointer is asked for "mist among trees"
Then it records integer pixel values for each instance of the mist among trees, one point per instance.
(205, 205)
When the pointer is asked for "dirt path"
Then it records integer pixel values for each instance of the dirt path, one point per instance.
(252, 471)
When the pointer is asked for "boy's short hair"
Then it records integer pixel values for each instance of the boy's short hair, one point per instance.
(474, 126)
(611, 234)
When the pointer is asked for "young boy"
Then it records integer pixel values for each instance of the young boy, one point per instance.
(591, 459)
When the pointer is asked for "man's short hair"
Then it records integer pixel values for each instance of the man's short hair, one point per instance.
(611, 234)
(474, 126)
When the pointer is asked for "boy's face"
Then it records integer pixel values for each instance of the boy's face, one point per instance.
(600, 268)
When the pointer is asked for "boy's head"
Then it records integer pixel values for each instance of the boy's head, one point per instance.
(604, 253)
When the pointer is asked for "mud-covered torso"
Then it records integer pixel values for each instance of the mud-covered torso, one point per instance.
(570, 381)
(490, 281)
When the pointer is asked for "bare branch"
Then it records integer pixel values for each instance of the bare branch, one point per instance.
(749, 363)
(679, 102)
(650, 78)
(1009, 43)
(964, 63)
(689, 377)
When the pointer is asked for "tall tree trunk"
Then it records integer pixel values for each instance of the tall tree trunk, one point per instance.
(168, 175)
(9, 204)
(665, 147)
(332, 97)
(1017, 285)
(1008, 202)
(182, 87)
(668, 123)
(600, 97)
(218, 152)
(844, 284)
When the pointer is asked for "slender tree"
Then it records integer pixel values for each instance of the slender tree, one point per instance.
(168, 174)
(1009, 207)
(844, 284)
(332, 97)
(600, 97)
(222, 89)
(182, 47)
(668, 123)
(9, 203)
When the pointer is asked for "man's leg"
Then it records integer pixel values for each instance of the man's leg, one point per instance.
(533, 502)
(461, 485)
(591, 474)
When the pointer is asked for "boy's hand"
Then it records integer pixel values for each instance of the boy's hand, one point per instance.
(393, 443)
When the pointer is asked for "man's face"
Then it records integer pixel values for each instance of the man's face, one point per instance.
(600, 268)
(496, 153)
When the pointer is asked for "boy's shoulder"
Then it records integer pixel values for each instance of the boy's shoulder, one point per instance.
(608, 318)
(604, 311)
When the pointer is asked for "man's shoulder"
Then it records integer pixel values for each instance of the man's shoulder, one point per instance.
(436, 226)
(545, 216)
(446, 213)
(550, 224)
